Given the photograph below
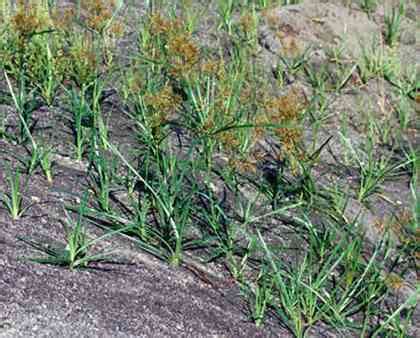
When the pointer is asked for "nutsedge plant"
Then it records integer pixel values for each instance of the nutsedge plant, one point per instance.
(191, 16)
(342, 286)
(102, 177)
(369, 6)
(172, 204)
(293, 55)
(80, 120)
(13, 200)
(372, 170)
(285, 114)
(75, 254)
(38, 155)
(376, 61)
(171, 45)
(226, 9)
(261, 298)
(33, 50)
(392, 24)
(219, 163)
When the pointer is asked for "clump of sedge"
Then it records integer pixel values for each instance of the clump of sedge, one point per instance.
(160, 107)
(286, 111)
(172, 45)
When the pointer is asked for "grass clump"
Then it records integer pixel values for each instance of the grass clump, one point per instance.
(13, 200)
(75, 254)
(392, 24)
(216, 166)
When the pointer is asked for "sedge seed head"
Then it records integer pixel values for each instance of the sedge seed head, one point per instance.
(97, 13)
(286, 110)
(394, 281)
(213, 68)
(162, 105)
(26, 20)
(183, 53)
(159, 25)
(247, 23)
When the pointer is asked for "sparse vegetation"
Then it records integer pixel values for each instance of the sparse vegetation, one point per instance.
(227, 159)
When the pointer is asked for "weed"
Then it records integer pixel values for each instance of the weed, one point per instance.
(403, 111)
(218, 165)
(29, 19)
(293, 58)
(377, 62)
(25, 104)
(99, 15)
(393, 321)
(47, 69)
(172, 220)
(226, 10)
(75, 254)
(102, 173)
(159, 107)
(247, 27)
(168, 44)
(369, 6)
(83, 61)
(285, 115)
(262, 298)
(372, 171)
(190, 16)
(13, 200)
(46, 163)
(392, 24)
(79, 121)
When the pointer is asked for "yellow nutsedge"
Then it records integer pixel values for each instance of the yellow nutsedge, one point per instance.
(394, 281)
(243, 165)
(163, 103)
(247, 23)
(158, 25)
